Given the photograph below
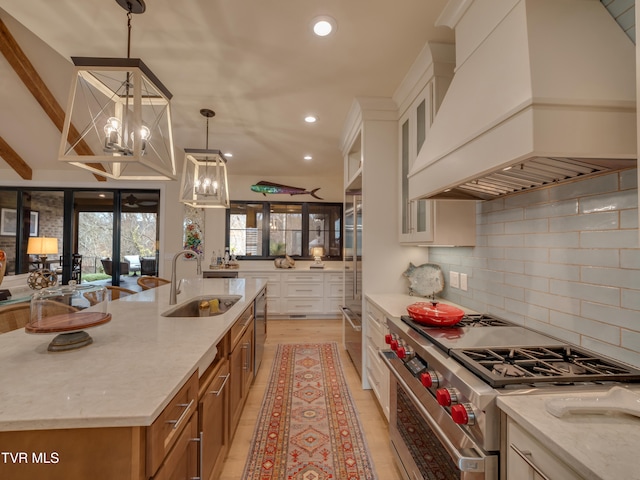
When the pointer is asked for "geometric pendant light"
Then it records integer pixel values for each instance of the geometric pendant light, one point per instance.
(122, 113)
(204, 175)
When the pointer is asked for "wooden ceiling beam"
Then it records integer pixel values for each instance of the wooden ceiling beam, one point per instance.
(32, 80)
(14, 160)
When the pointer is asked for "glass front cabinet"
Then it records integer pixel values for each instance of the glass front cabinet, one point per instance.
(427, 222)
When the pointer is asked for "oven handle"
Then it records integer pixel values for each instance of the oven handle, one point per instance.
(345, 314)
(460, 459)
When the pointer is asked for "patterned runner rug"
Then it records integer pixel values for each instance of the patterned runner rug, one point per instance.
(308, 427)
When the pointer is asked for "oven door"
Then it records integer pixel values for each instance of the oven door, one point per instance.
(427, 443)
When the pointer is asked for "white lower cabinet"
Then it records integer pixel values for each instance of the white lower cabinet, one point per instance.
(301, 293)
(375, 322)
(528, 458)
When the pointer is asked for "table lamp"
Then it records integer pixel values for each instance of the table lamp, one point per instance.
(317, 253)
(42, 246)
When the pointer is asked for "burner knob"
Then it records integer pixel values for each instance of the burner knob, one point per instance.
(463, 414)
(387, 338)
(446, 396)
(394, 345)
(429, 379)
(401, 352)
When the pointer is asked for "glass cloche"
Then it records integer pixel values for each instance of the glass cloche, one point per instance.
(68, 310)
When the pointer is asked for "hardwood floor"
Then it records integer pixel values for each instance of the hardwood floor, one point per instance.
(373, 421)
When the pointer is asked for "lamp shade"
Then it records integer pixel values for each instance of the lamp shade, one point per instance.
(317, 251)
(204, 179)
(42, 246)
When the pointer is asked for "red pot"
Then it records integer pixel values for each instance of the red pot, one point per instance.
(435, 314)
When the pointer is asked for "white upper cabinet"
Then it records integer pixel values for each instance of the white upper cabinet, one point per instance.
(423, 222)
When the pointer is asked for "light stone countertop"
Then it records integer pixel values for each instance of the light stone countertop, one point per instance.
(136, 364)
(596, 446)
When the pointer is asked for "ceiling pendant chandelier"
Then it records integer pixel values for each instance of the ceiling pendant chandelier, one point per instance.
(124, 111)
(204, 175)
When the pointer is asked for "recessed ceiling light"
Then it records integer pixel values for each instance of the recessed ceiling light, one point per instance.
(308, 157)
(323, 25)
(311, 119)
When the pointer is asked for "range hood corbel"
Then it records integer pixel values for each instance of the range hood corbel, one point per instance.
(544, 92)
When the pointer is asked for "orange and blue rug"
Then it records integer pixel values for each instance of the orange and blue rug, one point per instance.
(308, 427)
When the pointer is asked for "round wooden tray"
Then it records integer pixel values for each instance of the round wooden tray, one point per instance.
(68, 322)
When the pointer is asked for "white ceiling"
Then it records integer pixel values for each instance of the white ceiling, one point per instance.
(255, 62)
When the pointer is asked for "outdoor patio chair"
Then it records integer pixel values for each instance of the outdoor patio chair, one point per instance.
(107, 264)
(148, 282)
(134, 263)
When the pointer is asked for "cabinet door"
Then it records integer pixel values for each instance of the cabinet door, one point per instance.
(415, 215)
(241, 371)
(182, 461)
(214, 421)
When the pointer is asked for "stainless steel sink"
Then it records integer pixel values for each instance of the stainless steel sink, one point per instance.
(205, 306)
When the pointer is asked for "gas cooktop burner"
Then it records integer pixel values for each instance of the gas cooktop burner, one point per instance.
(469, 320)
(556, 364)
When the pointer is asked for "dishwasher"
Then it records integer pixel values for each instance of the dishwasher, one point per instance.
(260, 330)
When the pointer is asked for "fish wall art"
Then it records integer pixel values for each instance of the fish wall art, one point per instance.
(268, 187)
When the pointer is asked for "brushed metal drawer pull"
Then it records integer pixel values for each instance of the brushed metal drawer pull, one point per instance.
(184, 413)
(524, 455)
(245, 347)
(219, 391)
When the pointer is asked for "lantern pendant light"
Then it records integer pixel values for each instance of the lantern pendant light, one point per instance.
(204, 175)
(125, 117)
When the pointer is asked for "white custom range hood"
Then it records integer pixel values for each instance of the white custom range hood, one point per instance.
(544, 91)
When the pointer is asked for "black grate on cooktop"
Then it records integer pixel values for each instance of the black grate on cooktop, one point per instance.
(500, 366)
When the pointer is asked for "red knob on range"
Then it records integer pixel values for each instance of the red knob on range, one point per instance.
(394, 345)
(426, 379)
(401, 352)
(459, 414)
(443, 397)
(388, 338)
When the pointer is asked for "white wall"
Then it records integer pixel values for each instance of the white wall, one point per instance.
(562, 260)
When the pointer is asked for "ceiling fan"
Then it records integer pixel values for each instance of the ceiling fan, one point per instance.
(131, 201)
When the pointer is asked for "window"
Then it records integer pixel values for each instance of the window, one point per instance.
(266, 230)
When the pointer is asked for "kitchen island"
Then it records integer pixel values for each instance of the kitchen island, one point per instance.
(97, 402)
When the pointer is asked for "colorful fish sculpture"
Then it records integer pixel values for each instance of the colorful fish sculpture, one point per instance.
(268, 187)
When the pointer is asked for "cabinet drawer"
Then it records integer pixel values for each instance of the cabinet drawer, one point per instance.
(302, 277)
(332, 306)
(335, 290)
(272, 278)
(376, 319)
(182, 460)
(538, 457)
(303, 290)
(334, 277)
(241, 325)
(303, 306)
(165, 430)
(378, 376)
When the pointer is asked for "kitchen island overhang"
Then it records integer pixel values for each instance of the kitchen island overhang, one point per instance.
(135, 366)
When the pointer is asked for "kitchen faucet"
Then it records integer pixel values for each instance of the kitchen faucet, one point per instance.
(173, 294)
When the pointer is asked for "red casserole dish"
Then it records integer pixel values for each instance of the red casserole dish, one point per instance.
(435, 314)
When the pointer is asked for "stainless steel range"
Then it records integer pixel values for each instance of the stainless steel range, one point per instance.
(445, 380)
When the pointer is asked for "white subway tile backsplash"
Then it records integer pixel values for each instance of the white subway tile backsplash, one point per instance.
(553, 302)
(591, 328)
(582, 291)
(585, 256)
(527, 226)
(582, 188)
(616, 277)
(624, 199)
(629, 219)
(609, 239)
(553, 270)
(548, 240)
(592, 221)
(529, 282)
(630, 299)
(556, 209)
(578, 280)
